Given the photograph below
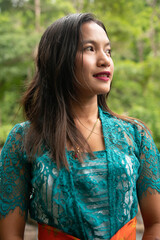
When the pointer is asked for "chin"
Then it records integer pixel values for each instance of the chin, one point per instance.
(104, 91)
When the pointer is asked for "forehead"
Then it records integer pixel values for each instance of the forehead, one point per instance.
(91, 31)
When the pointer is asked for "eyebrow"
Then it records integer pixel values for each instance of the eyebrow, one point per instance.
(94, 42)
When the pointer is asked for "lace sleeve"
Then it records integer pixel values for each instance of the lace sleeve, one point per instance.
(14, 174)
(149, 172)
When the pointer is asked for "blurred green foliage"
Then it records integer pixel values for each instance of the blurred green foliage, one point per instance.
(134, 30)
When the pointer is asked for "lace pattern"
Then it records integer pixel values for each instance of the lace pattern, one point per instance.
(96, 198)
(149, 173)
(14, 175)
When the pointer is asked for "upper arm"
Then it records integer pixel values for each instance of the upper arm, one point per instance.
(148, 184)
(149, 171)
(14, 186)
(150, 209)
(12, 226)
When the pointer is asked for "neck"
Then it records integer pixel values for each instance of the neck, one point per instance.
(87, 110)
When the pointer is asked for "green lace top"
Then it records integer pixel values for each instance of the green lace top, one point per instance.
(96, 198)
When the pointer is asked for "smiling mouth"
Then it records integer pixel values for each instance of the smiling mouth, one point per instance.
(102, 76)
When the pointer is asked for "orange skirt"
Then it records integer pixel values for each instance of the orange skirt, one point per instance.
(127, 232)
(46, 232)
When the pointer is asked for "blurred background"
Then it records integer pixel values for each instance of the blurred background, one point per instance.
(134, 31)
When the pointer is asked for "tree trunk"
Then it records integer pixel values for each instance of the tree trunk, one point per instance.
(78, 5)
(152, 34)
(140, 47)
(37, 14)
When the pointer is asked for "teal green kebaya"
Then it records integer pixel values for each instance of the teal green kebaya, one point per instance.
(95, 198)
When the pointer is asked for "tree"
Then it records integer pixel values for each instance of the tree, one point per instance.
(133, 28)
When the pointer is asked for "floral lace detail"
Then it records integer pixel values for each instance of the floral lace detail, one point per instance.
(14, 174)
(149, 172)
(96, 198)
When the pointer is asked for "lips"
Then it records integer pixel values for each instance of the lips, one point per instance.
(105, 76)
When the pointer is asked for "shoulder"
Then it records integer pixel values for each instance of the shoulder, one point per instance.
(133, 127)
(121, 122)
(19, 129)
(14, 141)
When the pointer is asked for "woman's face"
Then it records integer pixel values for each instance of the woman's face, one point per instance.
(93, 63)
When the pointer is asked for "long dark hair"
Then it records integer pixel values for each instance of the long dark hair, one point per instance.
(48, 97)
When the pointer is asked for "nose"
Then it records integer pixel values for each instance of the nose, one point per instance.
(103, 60)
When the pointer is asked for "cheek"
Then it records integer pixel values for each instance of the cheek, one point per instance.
(112, 66)
(88, 65)
(78, 67)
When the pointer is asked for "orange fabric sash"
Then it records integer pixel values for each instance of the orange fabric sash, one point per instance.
(127, 232)
(46, 232)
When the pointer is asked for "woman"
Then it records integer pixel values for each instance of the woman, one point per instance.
(78, 167)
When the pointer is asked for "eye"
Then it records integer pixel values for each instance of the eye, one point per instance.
(89, 48)
(108, 52)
